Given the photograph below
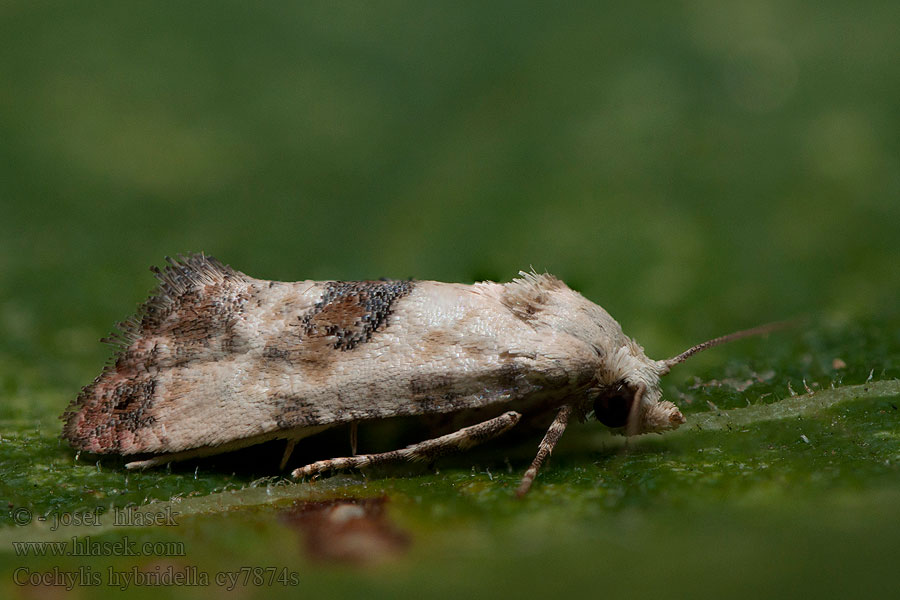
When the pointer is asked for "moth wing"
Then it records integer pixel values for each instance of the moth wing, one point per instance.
(218, 360)
(179, 354)
(443, 348)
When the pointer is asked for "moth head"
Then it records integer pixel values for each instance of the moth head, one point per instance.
(632, 403)
(633, 408)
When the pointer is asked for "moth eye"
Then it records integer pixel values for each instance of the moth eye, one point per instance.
(613, 410)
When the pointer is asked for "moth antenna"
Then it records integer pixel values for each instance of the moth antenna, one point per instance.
(737, 335)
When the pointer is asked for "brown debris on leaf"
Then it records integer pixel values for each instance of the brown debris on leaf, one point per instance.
(354, 530)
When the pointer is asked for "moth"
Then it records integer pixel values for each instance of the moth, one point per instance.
(216, 360)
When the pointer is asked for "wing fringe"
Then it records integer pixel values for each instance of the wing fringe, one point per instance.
(182, 275)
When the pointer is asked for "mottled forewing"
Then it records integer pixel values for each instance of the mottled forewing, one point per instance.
(216, 357)
(438, 348)
(202, 320)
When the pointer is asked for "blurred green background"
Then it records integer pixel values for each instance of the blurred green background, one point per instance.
(693, 167)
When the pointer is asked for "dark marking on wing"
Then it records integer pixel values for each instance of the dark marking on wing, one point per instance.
(351, 311)
(436, 340)
(418, 393)
(294, 411)
(131, 400)
(348, 314)
(191, 316)
(447, 402)
(194, 312)
(512, 374)
(528, 295)
(112, 411)
(422, 385)
(272, 352)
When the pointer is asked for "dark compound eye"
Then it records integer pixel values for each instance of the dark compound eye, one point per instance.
(612, 410)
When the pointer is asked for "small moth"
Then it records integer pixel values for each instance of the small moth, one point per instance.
(215, 360)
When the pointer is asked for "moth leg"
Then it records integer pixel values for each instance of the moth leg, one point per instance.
(427, 450)
(287, 453)
(150, 462)
(163, 459)
(354, 426)
(557, 427)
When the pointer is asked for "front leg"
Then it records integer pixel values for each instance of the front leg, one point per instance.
(546, 447)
